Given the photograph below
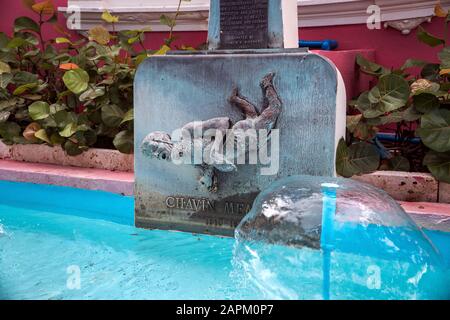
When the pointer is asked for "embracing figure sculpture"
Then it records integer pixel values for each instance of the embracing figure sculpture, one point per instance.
(161, 146)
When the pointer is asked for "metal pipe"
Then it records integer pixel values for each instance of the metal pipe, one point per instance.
(323, 44)
(393, 138)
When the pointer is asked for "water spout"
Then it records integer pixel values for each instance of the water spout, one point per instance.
(332, 238)
(327, 234)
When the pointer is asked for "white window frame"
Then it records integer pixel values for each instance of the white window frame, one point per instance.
(312, 13)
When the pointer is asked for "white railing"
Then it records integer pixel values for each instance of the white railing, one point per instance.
(312, 13)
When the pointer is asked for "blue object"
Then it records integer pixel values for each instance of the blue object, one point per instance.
(393, 138)
(323, 45)
(382, 150)
(64, 200)
(49, 233)
(354, 242)
(327, 235)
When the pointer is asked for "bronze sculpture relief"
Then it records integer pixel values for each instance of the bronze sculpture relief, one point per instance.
(161, 146)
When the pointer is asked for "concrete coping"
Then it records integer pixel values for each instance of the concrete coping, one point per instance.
(433, 216)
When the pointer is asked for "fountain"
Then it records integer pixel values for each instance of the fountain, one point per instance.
(305, 237)
(347, 239)
(276, 110)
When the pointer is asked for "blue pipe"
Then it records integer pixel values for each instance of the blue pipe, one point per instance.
(327, 235)
(393, 138)
(323, 45)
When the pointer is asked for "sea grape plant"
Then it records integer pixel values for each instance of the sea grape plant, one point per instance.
(416, 106)
(71, 91)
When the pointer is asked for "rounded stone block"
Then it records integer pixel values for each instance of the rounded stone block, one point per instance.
(404, 186)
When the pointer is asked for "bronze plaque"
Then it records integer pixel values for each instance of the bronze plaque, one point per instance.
(244, 24)
(173, 91)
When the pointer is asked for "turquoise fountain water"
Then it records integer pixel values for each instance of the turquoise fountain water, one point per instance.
(327, 235)
(55, 234)
(329, 238)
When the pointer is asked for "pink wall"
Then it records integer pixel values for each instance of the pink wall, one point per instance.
(15, 9)
(391, 47)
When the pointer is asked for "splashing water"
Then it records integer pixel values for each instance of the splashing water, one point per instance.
(377, 251)
(2, 230)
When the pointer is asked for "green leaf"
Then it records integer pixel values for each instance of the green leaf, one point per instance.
(343, 166)
(141, 57)
(17, 43)
(73, 149)
(112, 115)
(411, 114)
(100, 35)
(25, 23)
(5, 79)
(32, 53)
(391, 93)
(42, 135)
(124, 142)
(428, 38)
(4, 116)
(92, 94)
(364, 156)
(431, 72)
(134, 39)
(444, 57)
(76, 80)
(365, 131)
(8, 56)
(69, 130)
(364, 105)
(54, 108)
(24, 88)
(86, 138)
(414, 63)
(45, 7)
(4, 68)
(56, 139)
(439, 165)
(165, 20)
(108, 17)
(435, 130)
(9, 130)
(53, 19)
(24, 77)
(359, 158)
(399, 163)
(370, 67)
(62, 40)
(4, 40)
(129, 116)
(162, 51)
(39, 110)
(426, 102)
(62, 118)
(7, 103)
